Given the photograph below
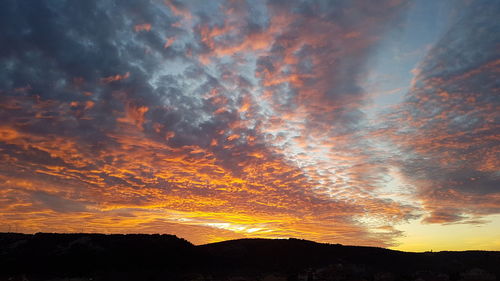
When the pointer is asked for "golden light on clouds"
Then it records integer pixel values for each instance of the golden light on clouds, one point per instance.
(230, 119)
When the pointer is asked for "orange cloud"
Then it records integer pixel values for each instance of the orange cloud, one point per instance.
(142, 27)
(134, 115)
(264, 153)
(169, 42)
(141, 185)
(115, 78)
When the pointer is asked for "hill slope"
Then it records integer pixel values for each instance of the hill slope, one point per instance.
(45, 256)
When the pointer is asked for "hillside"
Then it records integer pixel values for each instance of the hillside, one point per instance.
(44, 256)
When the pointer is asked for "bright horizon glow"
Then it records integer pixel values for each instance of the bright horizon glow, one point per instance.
(454, 237)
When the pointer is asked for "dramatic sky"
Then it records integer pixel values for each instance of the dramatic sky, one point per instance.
(343, 121)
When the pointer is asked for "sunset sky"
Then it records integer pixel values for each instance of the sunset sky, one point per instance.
(343, 121)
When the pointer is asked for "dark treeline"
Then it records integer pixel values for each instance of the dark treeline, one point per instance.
(45, 256)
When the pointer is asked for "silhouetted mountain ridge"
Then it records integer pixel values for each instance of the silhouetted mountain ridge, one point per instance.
(46, 256)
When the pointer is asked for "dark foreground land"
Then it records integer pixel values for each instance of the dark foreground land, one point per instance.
(44, 256)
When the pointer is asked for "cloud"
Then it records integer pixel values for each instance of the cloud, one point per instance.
(229, 118)
(446, 128)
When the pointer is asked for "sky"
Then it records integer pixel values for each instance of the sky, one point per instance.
(346, 121)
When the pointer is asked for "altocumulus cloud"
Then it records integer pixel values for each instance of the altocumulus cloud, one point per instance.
(217, 120)
(447, 128)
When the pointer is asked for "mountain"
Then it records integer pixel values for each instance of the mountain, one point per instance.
(46, 256)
